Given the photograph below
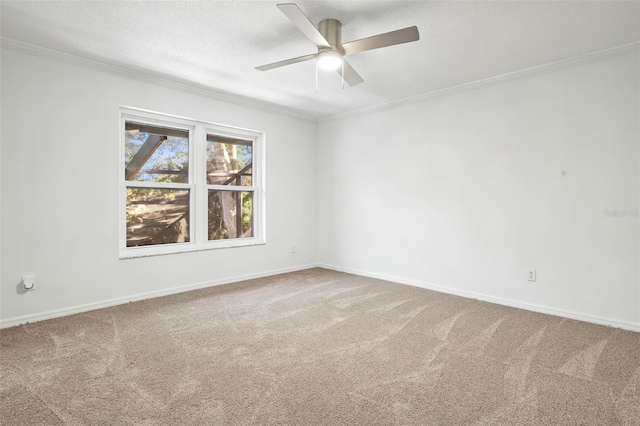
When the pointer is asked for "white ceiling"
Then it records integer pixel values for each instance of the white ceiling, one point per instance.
(217, 44)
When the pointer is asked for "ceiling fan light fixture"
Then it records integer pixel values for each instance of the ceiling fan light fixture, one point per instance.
(331, 51)
(329, 60)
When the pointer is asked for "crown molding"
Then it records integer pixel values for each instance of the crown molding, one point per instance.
(600, 55)
(148, 76)
(166, 81)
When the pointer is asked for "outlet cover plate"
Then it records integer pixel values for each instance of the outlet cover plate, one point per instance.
(531, 275)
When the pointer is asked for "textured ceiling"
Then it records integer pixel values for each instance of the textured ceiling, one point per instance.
(217, 44)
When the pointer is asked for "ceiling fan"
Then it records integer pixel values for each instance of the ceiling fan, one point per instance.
(331, 51)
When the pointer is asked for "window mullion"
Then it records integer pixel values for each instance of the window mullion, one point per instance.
(199, 183)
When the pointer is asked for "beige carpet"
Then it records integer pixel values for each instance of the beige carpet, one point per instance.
(318, 347)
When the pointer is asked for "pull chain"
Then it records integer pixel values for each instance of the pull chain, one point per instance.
(342, 63)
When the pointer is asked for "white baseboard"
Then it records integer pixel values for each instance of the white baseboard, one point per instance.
(612, 322)
(627, 325)
(10, 322)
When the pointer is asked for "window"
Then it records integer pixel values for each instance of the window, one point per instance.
(188, 185)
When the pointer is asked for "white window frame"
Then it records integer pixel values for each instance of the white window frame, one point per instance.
(197, 185)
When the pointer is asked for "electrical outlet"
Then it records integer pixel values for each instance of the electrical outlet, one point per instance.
(29, 282)
(531, 275)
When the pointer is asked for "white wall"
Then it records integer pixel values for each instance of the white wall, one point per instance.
(60, 136)
(467, 192)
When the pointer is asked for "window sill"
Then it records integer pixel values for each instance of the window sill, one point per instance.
(177, 248)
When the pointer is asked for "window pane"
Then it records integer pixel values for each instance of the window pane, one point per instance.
(230, 214)
(156, 154)
(229, 161)
(157, 216)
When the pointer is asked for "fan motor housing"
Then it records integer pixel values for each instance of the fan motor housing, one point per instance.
(331, 30)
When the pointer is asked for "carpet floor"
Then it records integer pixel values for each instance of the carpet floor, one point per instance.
(317, 347)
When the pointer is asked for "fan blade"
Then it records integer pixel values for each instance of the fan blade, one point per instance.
(404, 35)
(286, 62)
(303, 23)
(350, 75)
